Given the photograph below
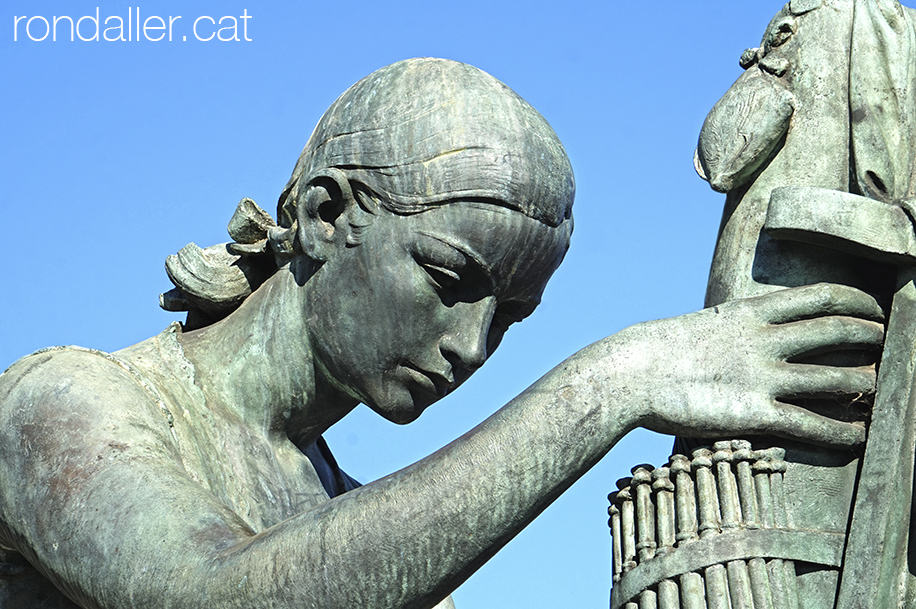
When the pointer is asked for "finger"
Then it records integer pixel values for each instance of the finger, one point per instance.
(815, 381)
(796, 423)
(824, 334)
(820, 300)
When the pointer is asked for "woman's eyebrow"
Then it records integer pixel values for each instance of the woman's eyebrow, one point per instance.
(467, 251)
(463, 248)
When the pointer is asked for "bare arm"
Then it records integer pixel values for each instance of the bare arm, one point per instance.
(137, 532)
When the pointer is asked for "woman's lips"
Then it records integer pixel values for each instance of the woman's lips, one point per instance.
(433, 383)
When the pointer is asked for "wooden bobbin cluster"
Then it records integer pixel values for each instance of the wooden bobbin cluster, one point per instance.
(707, 531)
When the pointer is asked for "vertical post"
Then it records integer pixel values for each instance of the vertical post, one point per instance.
(664, 509)
(728, 490)
(762, 469)
(693, 596)
(645, 512)
(668, 591)
(707, 499)
(716, 592)
(685, 499)
(645, 526)
(743, 456)
(775, 570)
(876, 546)
(616, 552)
(627, 525)
(784, 571)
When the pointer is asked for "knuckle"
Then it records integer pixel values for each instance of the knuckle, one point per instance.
(827, 294)
(837, 298)
(813, 297)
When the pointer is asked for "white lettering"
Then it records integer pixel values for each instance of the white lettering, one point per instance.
(245, 17)
(172, 20)
(196, 34)
(58, 20)
(156, 28)
(118, 28)
(97, 27)
(233, 35)
(16, 21)
(92, 19)
(28, 28)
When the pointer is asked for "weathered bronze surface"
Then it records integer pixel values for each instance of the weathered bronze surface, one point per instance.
(425, 215)
(814, 145)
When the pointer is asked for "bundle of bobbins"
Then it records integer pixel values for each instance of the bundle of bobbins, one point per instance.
(711, 531)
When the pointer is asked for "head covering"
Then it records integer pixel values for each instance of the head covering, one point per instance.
(422, 132)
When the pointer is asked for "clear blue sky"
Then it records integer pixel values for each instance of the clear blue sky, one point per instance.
(117, 154)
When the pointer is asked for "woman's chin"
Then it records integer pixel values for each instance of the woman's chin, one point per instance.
(401, 405)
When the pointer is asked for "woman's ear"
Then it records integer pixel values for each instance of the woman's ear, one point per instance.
(328, 215)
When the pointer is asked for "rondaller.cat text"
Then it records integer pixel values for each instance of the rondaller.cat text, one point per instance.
(132, 27)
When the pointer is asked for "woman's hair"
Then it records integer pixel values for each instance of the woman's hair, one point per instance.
(411, 136)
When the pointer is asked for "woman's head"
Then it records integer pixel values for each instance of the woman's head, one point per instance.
(437, 203)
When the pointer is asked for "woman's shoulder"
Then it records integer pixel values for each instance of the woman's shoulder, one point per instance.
(73, 423)
(65, 370)
(71, 382)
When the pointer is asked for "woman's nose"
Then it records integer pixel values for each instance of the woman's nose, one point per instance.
(466, 341)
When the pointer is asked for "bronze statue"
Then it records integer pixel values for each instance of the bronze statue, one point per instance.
(814, 146)
(425, 216)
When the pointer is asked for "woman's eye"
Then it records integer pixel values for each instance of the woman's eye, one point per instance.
(441, 277)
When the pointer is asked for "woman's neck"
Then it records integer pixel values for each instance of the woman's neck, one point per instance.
(258, 363)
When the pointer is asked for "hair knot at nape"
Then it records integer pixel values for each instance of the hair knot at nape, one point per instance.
(422, 132)
(211, 282)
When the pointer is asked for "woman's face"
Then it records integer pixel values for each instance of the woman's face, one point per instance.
(406, 316)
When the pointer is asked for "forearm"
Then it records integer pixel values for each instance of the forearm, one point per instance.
(154, 536)
(447, 514)
(409, 539)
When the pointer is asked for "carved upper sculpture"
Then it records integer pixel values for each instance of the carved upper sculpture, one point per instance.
(815, 144)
